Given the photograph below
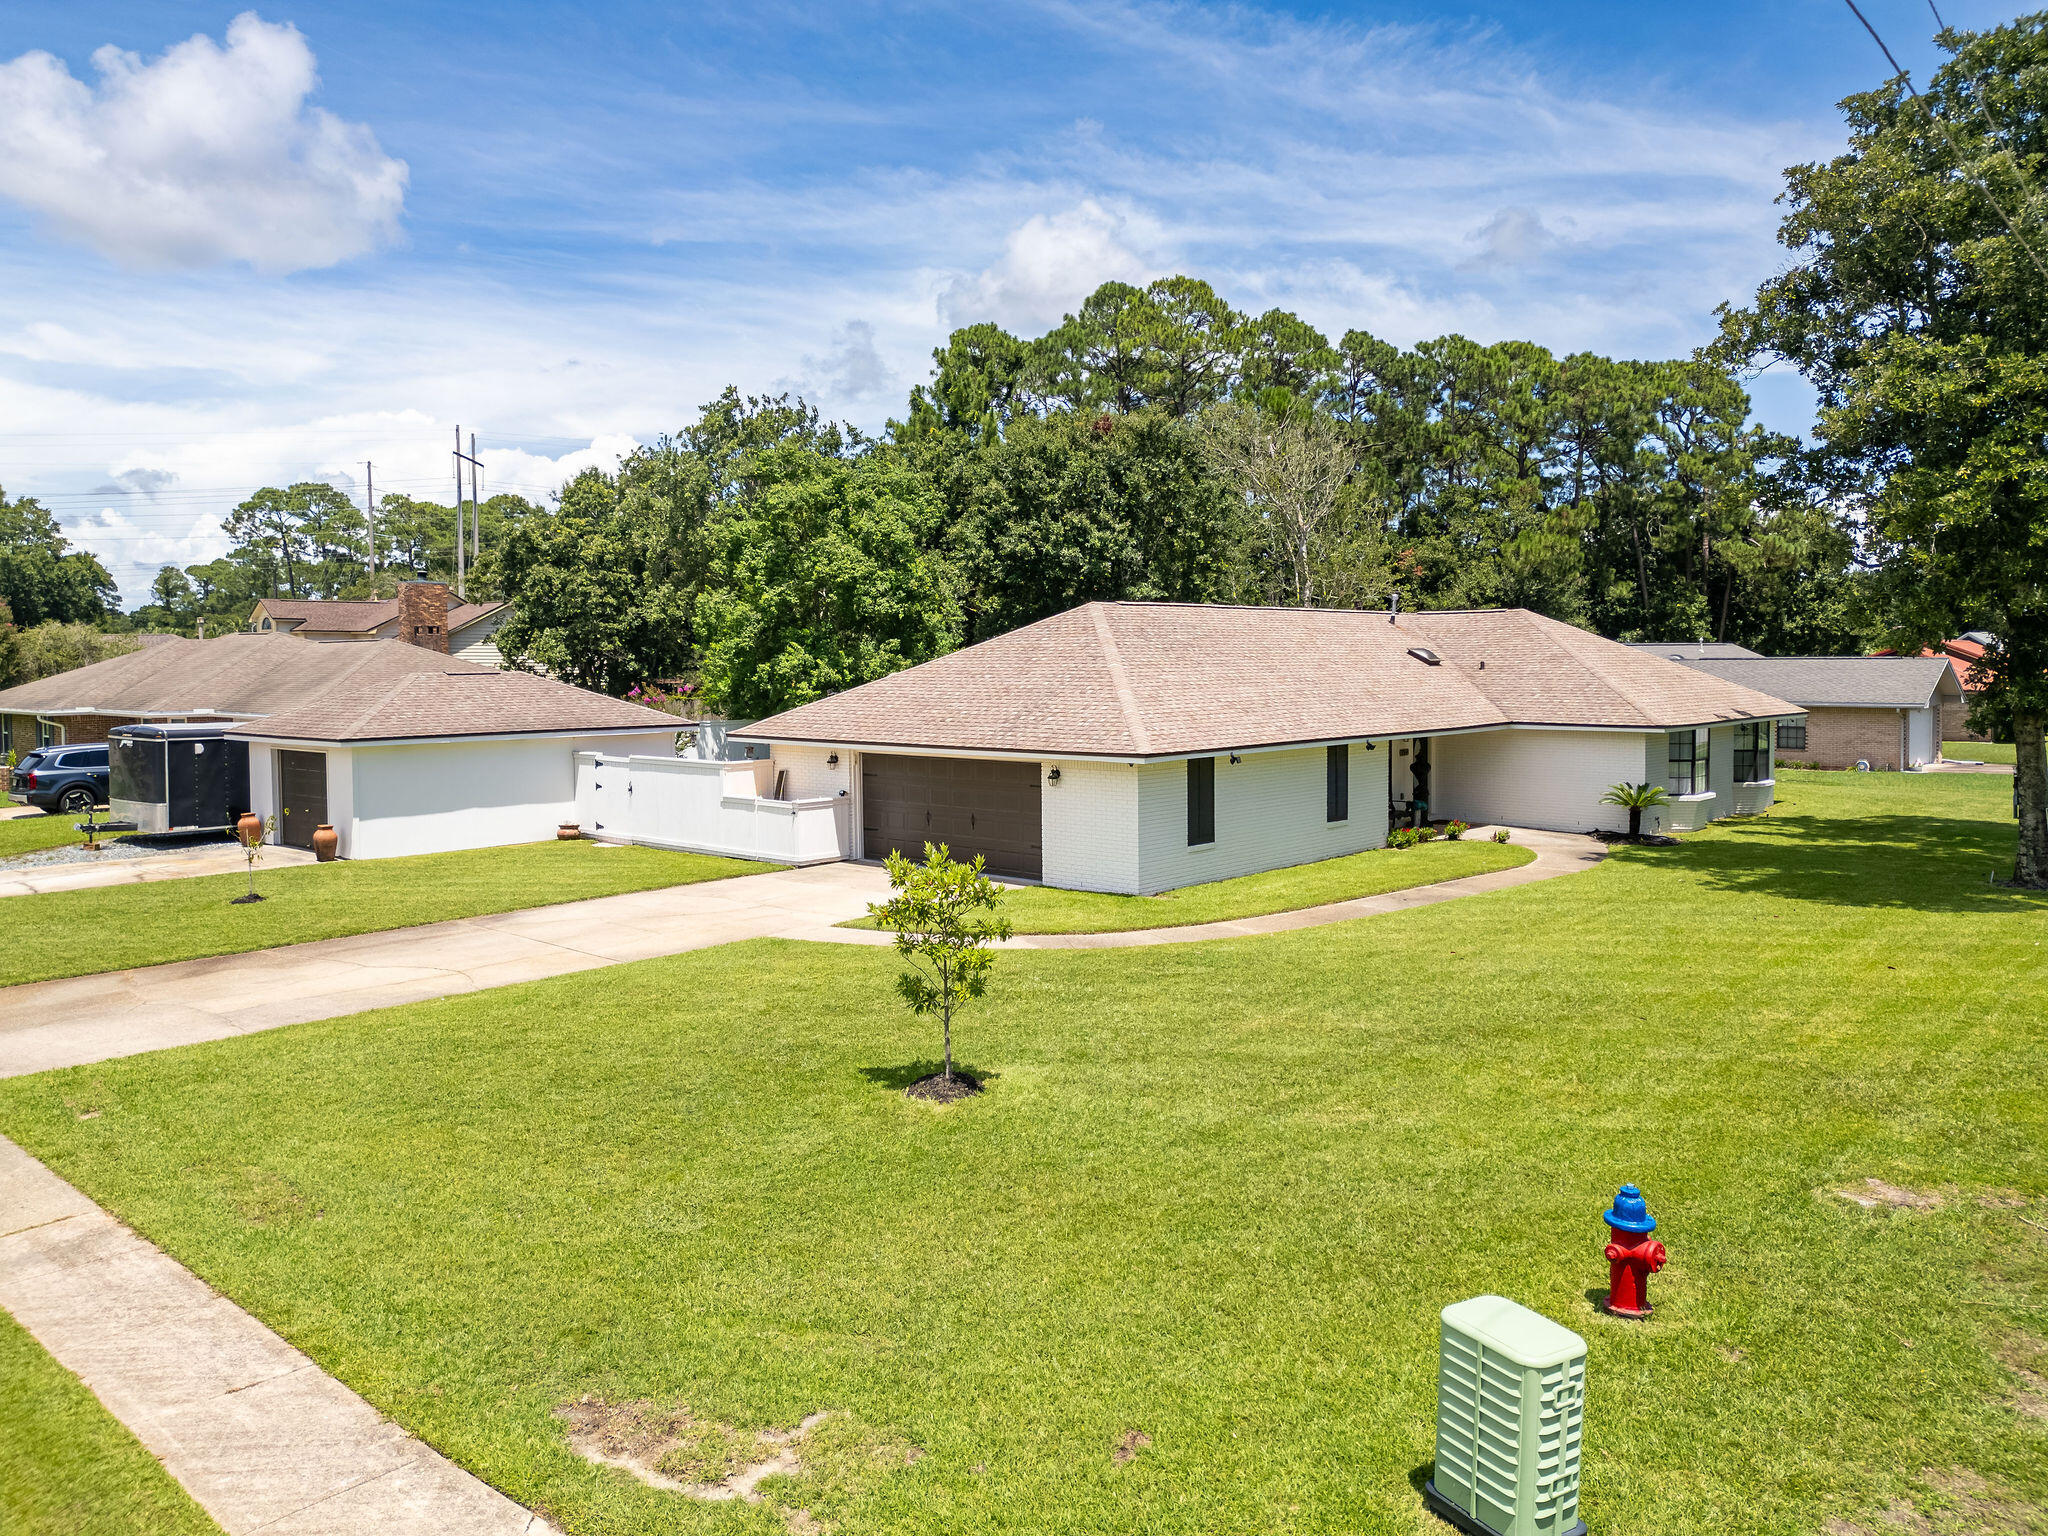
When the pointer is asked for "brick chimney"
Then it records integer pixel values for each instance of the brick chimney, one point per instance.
(423, 614)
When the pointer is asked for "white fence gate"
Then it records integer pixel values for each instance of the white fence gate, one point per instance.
(707, 807)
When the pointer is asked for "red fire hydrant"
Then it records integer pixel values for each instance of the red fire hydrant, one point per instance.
(1632, 1254)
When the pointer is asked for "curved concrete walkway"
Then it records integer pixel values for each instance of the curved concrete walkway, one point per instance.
(83, 1019)
(1557, 853)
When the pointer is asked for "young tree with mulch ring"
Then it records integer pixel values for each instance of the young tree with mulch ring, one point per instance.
(933, 912)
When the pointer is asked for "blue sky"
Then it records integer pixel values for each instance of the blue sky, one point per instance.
(236, 251)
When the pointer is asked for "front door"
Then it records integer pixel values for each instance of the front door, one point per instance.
(302, 793)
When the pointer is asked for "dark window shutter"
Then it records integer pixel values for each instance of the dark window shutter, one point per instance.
(1337, 785)
(1201, 800)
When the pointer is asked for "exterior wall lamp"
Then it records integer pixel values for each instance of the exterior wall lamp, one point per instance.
(1053, 777)
(1235, 759)
(832, 761)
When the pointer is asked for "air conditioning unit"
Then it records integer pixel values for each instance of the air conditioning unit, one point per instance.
(1511, 1389)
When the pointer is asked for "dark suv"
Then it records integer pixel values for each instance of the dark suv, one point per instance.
(68, 779)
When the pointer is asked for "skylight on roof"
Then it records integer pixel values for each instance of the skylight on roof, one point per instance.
(1425, 655)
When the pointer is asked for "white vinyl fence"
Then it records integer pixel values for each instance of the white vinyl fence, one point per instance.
(706, 807)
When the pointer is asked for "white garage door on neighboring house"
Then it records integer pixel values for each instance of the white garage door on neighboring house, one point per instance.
(971, 805)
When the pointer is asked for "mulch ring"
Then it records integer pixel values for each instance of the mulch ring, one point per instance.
(940, 1089)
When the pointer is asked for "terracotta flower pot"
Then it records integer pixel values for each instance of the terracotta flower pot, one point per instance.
(249, 829)
(568, 831)
(325, 841)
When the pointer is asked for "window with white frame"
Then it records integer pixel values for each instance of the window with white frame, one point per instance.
(1685, 770)
(1752, 751)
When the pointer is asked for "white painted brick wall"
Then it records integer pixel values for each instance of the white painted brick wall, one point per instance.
(1089, 826)
(1269, 814)
(1546, 779)
(810, 776)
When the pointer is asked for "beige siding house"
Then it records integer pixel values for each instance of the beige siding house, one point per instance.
(1137, 747)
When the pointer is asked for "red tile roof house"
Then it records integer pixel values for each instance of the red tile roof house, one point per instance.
(1137, 747)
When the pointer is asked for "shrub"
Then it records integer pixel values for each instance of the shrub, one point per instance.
(1403, 837)
(1428, 834)
(1456, 830)
(1500, 834)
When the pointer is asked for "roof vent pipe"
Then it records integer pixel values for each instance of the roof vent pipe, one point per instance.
(1394, 608)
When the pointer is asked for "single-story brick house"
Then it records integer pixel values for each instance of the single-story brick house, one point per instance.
(472, 627)
(1136, 747)
(1886, 711)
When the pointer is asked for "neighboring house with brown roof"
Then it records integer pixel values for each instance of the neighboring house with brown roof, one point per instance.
(399, 746)
(447, 757)
(1138, 747)
(1886, 711)
(472, 627)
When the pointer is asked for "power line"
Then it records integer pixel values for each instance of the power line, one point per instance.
(1936, 118)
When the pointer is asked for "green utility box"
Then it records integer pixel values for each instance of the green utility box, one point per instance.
(1511, 1389)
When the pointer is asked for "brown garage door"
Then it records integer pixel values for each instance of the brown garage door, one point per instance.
(302, 787)
(970, 806)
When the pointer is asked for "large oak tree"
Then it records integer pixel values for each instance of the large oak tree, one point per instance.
(1917, 305)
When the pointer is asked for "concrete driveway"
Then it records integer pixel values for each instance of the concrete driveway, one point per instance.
(93, 1018)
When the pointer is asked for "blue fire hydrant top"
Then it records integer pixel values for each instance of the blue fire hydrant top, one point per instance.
(1631, 1212)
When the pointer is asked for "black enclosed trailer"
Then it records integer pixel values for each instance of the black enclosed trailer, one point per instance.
(178, 778)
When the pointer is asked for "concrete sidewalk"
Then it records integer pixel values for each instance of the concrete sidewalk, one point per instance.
(180, 864)
(84, 1019)
(257, 1433)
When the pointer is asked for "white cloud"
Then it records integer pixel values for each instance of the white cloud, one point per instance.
(205, 155)
(1514, 237)
(1051, 262)
(851, 369)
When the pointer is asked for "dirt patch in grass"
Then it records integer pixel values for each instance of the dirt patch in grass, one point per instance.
(1958, 1503)
(940, 1089)
(261, 1198)
(2027, 1358)
(678, 1452)
(1127, 1446)
(1877, 1195)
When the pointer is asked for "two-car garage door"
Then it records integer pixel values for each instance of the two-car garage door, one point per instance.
(971, 806)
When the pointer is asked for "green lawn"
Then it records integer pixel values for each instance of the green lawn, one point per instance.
(67, 1467)
(1041, 909)
(1980, 751)
(32, 834)
(1215, 1193)
(78, 933)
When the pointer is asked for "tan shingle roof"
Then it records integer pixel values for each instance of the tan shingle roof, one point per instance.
(239, 674)
(361, 617)
(1159, 679)
(455, 700)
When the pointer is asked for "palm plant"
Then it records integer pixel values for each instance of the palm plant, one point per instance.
(1635, 798)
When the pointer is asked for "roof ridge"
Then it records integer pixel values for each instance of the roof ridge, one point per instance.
(1119, 679)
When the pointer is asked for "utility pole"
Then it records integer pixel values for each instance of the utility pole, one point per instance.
(459, 567)
(476, 539)
(370, 510)
(476, 517)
